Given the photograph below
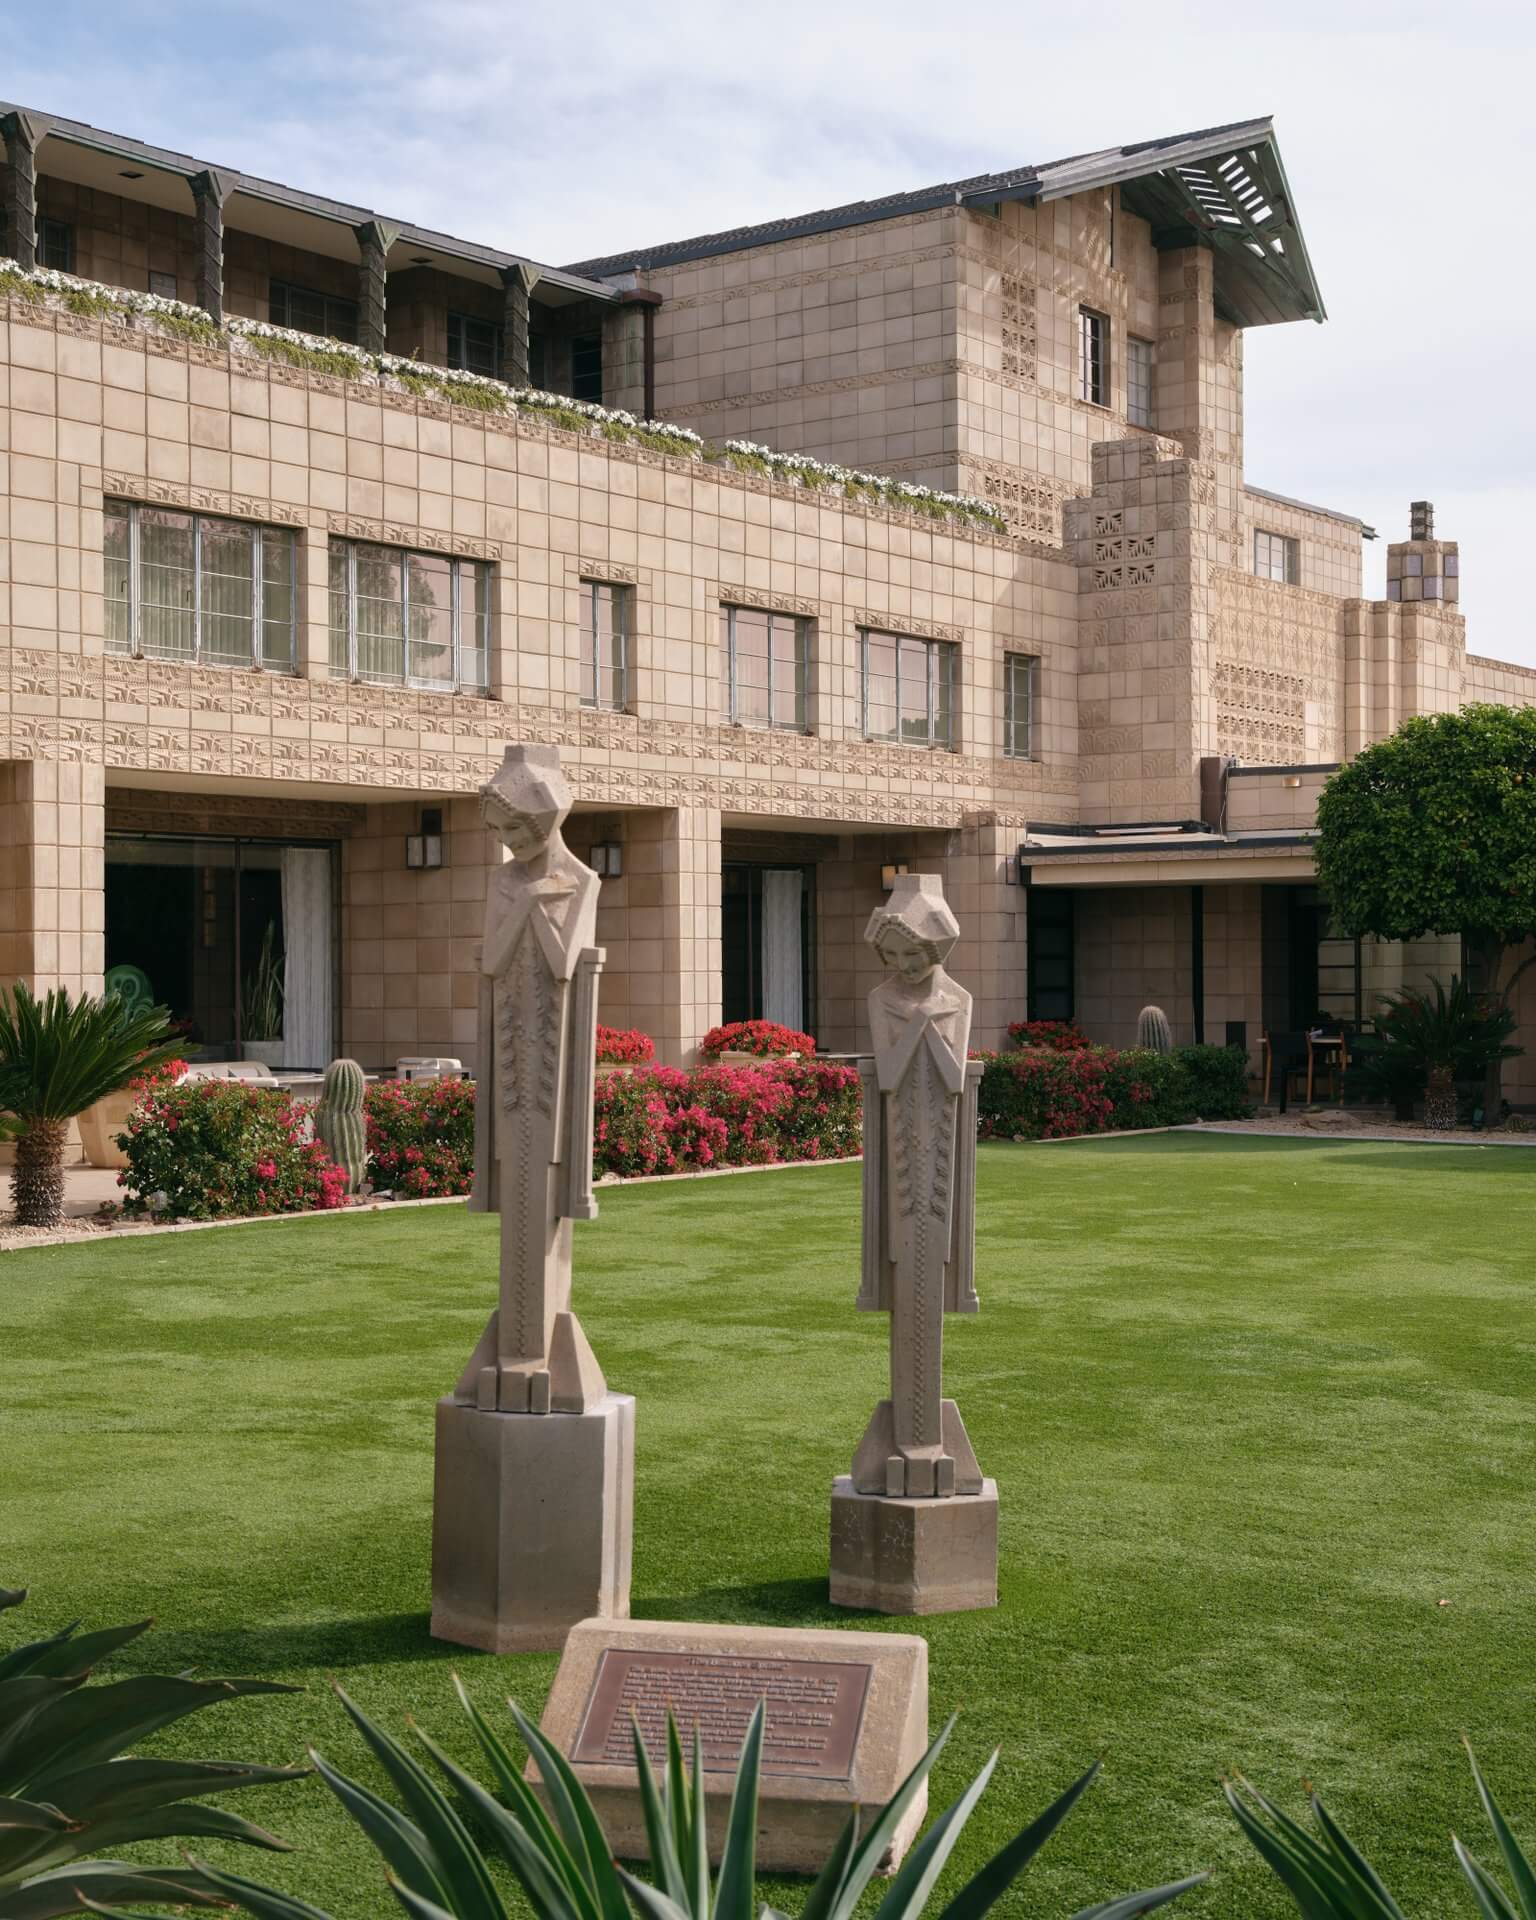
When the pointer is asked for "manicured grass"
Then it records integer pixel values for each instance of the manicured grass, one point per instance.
(1262, 1414)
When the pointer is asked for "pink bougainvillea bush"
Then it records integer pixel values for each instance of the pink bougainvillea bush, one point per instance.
(766, 1038)
(1062, 1036)
(1044, 1093)
(421, 1137)
(665, 1120)
(624, 1046)
(207, 1149)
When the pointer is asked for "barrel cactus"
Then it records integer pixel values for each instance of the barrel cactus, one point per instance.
(339, 1120)
(1153, 1031)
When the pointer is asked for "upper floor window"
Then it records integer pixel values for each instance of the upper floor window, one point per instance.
(162, 285)
(908, 689)
(184, 586)
(1276, 556)
(587, 367)
(1092, 356)
(1138, 382)
(767, 667)
(409, 619)
(1021, 684)
(308, 311)
(605, 645)
(55, 243)
(474, 345)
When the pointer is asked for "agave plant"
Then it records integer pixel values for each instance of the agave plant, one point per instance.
(66, 1792)
(58, 1056)
(1329, 1878)
(435, 1866)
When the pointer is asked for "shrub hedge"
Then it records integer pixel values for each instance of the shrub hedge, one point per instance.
(1042, 1093)
(201, 1149)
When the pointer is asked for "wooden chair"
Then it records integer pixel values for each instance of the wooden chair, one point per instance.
(1288, 1054)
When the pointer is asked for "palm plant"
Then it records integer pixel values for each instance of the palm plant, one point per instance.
(437, 1870)
(58, 1056)
(66, 1792)
(1441, 1037)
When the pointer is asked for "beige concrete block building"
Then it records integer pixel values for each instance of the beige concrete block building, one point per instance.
(272, 601)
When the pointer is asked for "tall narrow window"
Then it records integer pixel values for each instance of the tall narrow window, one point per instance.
(1276, 557)
(767, 667)
(56, 245)
(1021, 680)
(185, 586)
(587, 367)
(308, 311)
(908, 689)
(605, 646)
(1138, 382)
(474, 345)
(1092, 356)
(411, 619)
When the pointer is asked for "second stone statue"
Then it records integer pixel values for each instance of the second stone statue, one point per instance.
(534, 1482)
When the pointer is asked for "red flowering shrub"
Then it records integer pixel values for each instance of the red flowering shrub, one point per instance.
(762, 1037)
(624, 1046)
(665, 1120)
(823, 1118)
(1062, 1036)
(166, 1074)
(205, 1149)
(421, 1136)
(1040, 1093)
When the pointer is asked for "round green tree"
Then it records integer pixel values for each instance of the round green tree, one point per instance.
(1433, 830)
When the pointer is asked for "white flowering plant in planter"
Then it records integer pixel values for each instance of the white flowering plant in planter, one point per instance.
(806, 471)
(312, 350)
(36, 285)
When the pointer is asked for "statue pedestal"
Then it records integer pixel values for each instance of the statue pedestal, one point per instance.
(532, 1523)
(897, 1555)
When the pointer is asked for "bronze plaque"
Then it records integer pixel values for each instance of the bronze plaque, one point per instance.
(814, 1709)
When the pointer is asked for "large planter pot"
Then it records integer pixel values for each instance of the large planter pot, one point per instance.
(734, 1057)
(101, 1124)
(621, 1066)
(269, 1052)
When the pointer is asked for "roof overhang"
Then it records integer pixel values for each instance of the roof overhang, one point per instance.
(1226, 190)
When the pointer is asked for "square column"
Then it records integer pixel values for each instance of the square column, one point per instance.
(518, 284)
(665, 967)
(374, 240)
(52, 875)
(22, 134)
(209, 192)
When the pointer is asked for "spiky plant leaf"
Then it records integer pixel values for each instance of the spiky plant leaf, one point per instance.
(1515, 1861)
(738, 1857)
(981, 1892)
(1130, 1904)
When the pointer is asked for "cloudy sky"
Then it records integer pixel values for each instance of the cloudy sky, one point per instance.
(568, 131)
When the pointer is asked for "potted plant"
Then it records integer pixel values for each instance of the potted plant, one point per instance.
(261, 1004)
(622, 1049)
(741, 1043)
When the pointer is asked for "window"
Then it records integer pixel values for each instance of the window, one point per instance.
(56, 245)
(307, 311)
(767, 667)
(184, 586)
(1138, 382)
(162, 285)
(1276, 557)
(587, 367)
(412, 619)
(474, 345)
(1092, 356)
(605, 645)
(909, 689)
(1021, 681)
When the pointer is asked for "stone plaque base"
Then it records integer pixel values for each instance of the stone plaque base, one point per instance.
(532, 1522)
(894, 1555)
(847, 1721)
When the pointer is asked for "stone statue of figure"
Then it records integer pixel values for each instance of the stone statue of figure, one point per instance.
(534, 1073)
(919, 1193)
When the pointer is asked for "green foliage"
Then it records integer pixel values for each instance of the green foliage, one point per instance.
(66, 1792)
(59, 1055)
(1458, 1029)
(338, 1120)
(261, 1001)
(438, 1846)
(1434, 830)
(1153, 1033)
(1044, 1093)
(209, 1149)
(16, 286)
(294, 353)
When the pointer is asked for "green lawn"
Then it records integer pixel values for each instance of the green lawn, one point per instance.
(1256, 1409)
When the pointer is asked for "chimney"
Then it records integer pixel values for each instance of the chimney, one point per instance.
(1422, 567)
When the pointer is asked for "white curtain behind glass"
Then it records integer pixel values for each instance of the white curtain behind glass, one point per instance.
(308, 963)
(783, 981)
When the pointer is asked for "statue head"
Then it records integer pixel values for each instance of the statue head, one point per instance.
(525, 801)
(914, 933)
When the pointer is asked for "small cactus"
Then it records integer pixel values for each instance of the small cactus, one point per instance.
(1153, 1031)
(339, 1120)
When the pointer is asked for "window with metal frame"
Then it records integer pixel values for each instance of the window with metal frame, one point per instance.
(908, 689)
(307, 310)
(474, 345)
(1092, 356)
(605, 645)
(56, 245)
(767, 667)
(186, 586)
(400, 618)
(587, 367)
(1138, 381)
(1021, 682)
(1276, 556)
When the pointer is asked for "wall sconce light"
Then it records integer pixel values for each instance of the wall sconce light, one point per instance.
(608, 860)
(891, 873)
(1291, 780)
(424, 850)
(1011, 870)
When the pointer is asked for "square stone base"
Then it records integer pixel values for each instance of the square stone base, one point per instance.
(893, 1555)
(532, 1523)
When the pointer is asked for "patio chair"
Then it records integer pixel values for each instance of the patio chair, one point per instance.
(1286, 1054)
